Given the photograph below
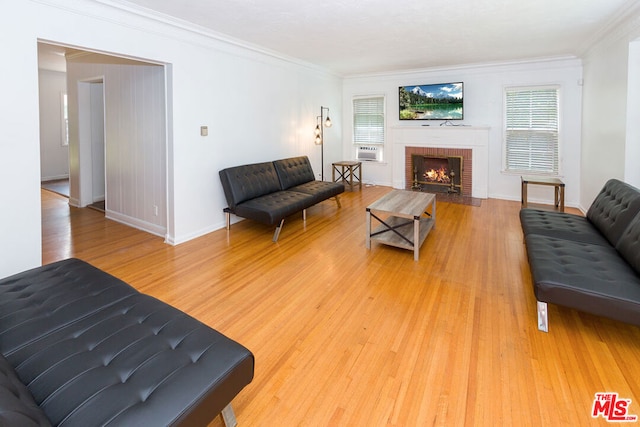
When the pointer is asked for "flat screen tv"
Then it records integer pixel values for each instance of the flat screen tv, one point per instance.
(443, 101)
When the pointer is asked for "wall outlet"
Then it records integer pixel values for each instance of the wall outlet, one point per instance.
(204, 130)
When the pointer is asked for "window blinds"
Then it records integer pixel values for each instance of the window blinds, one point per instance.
(368, 120)
(532, 130)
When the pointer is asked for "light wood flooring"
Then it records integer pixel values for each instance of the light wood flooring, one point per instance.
(344, 336)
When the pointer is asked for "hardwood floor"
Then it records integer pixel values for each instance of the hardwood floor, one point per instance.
(344, 336)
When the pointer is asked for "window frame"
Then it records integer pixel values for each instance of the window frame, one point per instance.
(382, 99)
(533, 129)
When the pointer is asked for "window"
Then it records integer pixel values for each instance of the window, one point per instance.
(64, 117)
(368, 120)
(531, 130)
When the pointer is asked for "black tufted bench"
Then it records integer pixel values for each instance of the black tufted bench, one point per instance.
(82, 348)
(588, 263)
(271, 191)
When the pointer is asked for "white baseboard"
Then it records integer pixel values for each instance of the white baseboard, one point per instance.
(53, 178)
(154, 229)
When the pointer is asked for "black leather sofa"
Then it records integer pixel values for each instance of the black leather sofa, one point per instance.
(269, 192)
(82, 348)
(588, 263)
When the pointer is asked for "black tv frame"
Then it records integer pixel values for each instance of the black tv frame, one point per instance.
(433, 93)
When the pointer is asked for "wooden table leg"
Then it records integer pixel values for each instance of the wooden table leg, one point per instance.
(416, 238)
(433, 212)
(368, 240)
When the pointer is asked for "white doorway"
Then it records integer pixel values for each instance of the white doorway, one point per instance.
(91, 125)
(118, 135)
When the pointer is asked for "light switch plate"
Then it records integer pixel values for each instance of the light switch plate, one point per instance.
(204, 130)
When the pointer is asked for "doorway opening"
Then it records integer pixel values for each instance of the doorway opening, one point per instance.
(118, 134)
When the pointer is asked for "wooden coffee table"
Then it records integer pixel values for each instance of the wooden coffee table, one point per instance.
(397, 212)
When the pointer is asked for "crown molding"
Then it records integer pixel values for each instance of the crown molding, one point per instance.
(182, 30)
(621, 24)
(557, 61)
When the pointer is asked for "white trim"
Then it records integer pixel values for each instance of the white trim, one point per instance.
(136, 223)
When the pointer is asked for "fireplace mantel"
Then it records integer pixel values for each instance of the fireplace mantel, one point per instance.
(471, 137)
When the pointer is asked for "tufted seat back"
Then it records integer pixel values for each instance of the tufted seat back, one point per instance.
(246, 182)
(629, 244)
(614, 208)
(294, 171)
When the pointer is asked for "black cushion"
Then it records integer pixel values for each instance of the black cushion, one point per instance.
(319, 190)
(588, 277)
(272, 208)
(126, 360)
(560, 225)
(37, 302)
(629, 244)
(614, 208)
(17, 407)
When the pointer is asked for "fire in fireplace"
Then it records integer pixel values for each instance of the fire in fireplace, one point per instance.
(437, 173)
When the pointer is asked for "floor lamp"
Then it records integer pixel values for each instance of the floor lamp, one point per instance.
(320, 135)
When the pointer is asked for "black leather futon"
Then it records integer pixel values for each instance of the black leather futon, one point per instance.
(269, 192)
(588, 263)
(83, 348)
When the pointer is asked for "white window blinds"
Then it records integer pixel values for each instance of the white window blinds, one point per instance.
(368, 120)
(531, 133)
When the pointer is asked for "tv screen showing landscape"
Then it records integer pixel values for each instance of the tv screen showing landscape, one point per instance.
(431, 102)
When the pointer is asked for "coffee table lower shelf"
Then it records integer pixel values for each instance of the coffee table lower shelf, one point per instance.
(406, 230)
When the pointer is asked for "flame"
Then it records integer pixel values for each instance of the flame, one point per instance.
(440, 175)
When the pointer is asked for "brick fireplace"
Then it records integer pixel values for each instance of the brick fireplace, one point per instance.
(466, 182)
(469, 142)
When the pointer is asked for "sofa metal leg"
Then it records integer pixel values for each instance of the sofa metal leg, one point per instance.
(228, 218)
(228, 416)
(277, 233)
(304, 214)
(543, 320)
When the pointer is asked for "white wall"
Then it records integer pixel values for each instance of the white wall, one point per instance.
(54, 155)
(483, 106)
(607, 99)
(632, 144)
(257, 106)
(20, 227)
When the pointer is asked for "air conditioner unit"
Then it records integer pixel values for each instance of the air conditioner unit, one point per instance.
(367, 152)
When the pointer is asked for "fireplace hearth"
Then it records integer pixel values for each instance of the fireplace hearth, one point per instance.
(437, 174)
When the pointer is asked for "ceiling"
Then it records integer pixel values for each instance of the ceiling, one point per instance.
(352, 37)
(355, 37)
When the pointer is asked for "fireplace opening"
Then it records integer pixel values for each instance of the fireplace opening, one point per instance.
(437, 174)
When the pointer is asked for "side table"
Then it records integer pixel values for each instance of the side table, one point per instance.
(540, 180)
(347, 171)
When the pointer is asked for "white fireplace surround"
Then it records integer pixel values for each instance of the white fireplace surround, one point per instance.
(469, 137)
